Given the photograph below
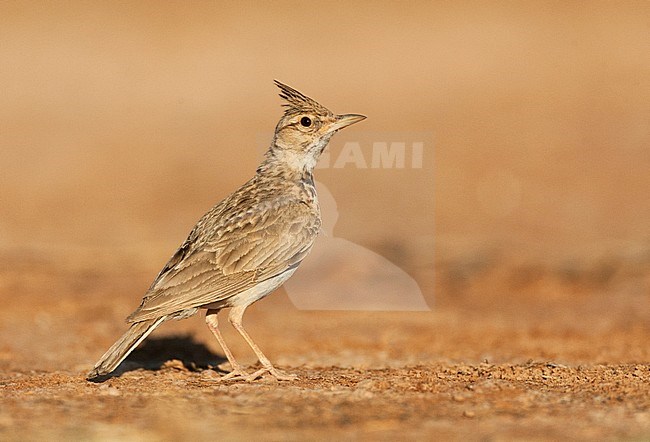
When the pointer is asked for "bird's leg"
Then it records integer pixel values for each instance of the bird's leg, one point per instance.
(213, 324)
(235, 318)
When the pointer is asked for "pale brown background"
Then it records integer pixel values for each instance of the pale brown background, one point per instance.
(121, 123)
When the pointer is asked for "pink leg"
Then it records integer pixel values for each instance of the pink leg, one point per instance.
(213, 325)
(235, 318)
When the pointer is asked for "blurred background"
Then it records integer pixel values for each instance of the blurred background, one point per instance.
(525, 227)
(122, 122)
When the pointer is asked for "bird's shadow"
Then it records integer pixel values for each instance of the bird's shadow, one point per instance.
(156, 351)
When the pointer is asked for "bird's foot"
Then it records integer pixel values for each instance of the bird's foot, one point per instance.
(279, 375)
(235, 375)
(239, 374)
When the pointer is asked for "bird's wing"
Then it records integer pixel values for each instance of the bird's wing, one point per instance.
(235, 256)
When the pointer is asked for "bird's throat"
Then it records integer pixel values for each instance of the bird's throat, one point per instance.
(289, 163)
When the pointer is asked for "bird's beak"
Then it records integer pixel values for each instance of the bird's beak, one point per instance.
(342, 121)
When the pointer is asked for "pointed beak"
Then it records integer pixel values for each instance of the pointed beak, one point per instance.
(345, 121)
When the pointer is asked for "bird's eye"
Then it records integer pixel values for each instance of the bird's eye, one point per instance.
(305, 121)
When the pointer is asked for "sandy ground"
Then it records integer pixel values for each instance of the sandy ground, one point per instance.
(493, 360)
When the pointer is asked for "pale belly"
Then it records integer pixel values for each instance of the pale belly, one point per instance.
(247, 297)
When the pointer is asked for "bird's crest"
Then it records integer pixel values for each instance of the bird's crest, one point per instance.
(297, 103)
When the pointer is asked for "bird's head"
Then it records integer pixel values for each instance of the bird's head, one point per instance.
(305, 129)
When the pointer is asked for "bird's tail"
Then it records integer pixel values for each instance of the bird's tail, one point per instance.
(125, 345)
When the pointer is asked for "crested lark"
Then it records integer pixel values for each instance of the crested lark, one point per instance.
(247, 245)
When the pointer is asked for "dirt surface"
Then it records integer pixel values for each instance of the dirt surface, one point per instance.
(493, 360)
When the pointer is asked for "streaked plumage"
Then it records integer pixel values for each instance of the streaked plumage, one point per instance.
(248, 244)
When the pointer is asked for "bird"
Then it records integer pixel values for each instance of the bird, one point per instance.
(247, 245)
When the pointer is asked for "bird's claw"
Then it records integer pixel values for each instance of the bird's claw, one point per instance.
(241, 375)
(234, 375)
(279, 375)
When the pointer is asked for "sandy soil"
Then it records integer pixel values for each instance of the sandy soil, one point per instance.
(493, 360)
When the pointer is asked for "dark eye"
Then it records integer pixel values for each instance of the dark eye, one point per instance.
(305, 121)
